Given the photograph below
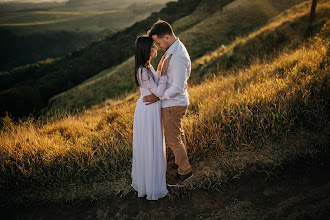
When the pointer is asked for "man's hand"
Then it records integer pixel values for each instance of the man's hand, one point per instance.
(150, 99)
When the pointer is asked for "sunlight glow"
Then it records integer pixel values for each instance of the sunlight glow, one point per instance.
(79, 12)
(34, 23)
(267, 8)
(57, 13)
(31, 1)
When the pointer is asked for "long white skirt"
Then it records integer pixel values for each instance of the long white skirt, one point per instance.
(149, 158)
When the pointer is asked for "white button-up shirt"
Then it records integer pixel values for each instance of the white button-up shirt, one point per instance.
(178, 72)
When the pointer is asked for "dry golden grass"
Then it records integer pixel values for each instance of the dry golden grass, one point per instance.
(236, 119)
(238, 115)
(286, 30)
(235, 20)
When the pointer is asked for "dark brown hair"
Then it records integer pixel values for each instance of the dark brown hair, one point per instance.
(143, 46)
(161, 28)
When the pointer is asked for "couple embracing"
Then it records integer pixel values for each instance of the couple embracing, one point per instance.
(162, 104)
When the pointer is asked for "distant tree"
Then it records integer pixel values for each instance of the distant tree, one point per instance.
(20, 101)
(312, 15)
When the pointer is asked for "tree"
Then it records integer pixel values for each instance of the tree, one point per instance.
(312, 15)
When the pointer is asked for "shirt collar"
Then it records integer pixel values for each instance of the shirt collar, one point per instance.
(170, 50)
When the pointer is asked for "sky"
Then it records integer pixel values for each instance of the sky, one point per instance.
(33, 0)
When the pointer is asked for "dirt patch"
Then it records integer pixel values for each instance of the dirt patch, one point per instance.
(301, 194)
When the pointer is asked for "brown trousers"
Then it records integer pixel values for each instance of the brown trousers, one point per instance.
(174, 136)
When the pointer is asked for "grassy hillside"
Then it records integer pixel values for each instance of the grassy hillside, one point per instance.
(53, 76)
(203, 32)
(264, 116)
(236, 20)
(11, 6)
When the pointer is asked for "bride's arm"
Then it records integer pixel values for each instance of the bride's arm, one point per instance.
(148, 82)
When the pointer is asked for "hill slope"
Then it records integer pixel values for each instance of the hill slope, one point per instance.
(50, 77)
(204, 30)
(31, 35)
(266, 118)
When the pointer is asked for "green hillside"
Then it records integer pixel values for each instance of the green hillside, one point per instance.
(96, 16)
(28, 35)
(53, 76)
(210, 25)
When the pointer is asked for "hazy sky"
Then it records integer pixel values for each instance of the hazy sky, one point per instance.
(33, 0)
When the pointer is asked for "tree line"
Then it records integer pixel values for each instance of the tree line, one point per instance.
(20, 50)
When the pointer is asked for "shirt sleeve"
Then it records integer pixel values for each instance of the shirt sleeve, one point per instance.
(179, 68)
(148, 82)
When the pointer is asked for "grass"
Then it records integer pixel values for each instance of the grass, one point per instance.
(284, 33)
(109, 83)
(235, 20)
(236, 49)
(43, 17)
(260, 116)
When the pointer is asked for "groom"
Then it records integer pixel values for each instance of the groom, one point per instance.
(175, 99)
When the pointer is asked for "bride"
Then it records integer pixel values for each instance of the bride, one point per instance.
(149, 158)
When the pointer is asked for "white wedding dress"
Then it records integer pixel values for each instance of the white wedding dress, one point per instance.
(149, 158)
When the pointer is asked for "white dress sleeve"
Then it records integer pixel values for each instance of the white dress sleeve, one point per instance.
(148, 82)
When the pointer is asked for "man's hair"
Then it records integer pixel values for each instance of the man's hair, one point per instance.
(161, 28)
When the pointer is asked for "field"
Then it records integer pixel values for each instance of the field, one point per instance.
(92, 17)
(23, 24)
(257, 134)
(65, 20)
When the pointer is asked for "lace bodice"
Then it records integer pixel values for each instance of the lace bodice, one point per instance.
(148, 84)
